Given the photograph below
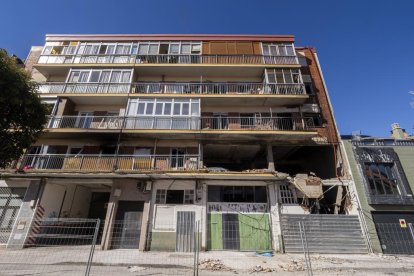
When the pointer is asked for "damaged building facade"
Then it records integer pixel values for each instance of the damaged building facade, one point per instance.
(153, 133)
(383, 173)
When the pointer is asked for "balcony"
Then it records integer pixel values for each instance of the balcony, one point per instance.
(107, 163)
(219, 88)
(182, 123)
(167, 59)
(83, 88)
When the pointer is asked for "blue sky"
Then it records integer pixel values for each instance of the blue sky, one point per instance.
(366, 48)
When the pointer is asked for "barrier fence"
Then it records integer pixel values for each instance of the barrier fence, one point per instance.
(129, 247)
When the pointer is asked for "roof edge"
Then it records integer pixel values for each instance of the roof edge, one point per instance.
(165, 37)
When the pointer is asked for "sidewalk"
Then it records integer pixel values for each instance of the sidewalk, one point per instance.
(72, 261)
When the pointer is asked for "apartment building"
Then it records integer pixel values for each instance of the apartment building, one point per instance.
(158, 132)
(383, 173)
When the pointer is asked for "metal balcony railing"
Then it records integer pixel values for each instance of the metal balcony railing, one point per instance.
(186, 123)
(213, 88)
(218, 88)
(107, 163)
(257, 123)
(167, 59)
(84, 88)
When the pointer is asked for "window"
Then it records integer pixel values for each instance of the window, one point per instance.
(163, 107)
(286, 195)
(102, 76)
(288, 76)
(174, 196)
(381, 178)
(271, 49)
(255, 194)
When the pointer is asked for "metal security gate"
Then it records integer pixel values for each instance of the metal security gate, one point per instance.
(185, 234)
(10, 201)
(324, 233)
(395, 237)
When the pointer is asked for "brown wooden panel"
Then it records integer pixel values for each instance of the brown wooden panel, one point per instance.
(244, 47)
(257, 48)
(206, 48)
(218, 47)
(231, 48)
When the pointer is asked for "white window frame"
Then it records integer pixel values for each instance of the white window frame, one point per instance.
(154, 101)
(290, 71)
(131, 71)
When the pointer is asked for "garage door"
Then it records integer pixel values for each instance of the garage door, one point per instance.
(395, 237)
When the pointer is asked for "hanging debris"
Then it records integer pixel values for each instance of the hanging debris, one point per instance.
(310, 185)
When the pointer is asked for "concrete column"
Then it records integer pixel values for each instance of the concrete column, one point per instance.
(200, 153)
(338, 199)
(144, 226)
(271, 163)
(275, 217)
(25, 217)
(204, 223)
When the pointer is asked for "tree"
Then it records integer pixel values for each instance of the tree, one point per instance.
(22, 115)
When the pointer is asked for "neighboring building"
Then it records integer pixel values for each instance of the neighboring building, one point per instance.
(152, 133)
(383, 173)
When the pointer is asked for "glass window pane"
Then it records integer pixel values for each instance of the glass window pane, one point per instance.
(105, 76)
(177, 110)
(150, 108)
(47, 50)
(185, 49)
(279, 76)
(74, 77)
(95, 76)
(271, 77)
(153, 49)
(289, 50)
(186, 108)
(143, 49)
(196, 48)
(288, 77)
(158, 109)
(116, 76)
(167, 109)
(110, 49)
(266, 50)
(282, 50)
(125, 76)
(174, 48)
(83, 77)
(195, 110)
(273, 50)
(141, 108)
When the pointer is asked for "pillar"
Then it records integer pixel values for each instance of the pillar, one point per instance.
(271, 163)
(26, 215)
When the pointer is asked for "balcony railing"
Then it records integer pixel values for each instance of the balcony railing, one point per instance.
(167, 58)
(84, 88)
(257, 123)
(186, 123)
(218, 88)
(107, 163)
(213, 88)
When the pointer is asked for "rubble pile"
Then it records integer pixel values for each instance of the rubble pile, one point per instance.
(259, 268)
(294, 265)
(214, 265)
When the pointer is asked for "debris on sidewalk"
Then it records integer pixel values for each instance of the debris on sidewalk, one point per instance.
(293, 265)
(259, 268)
(214, 265)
